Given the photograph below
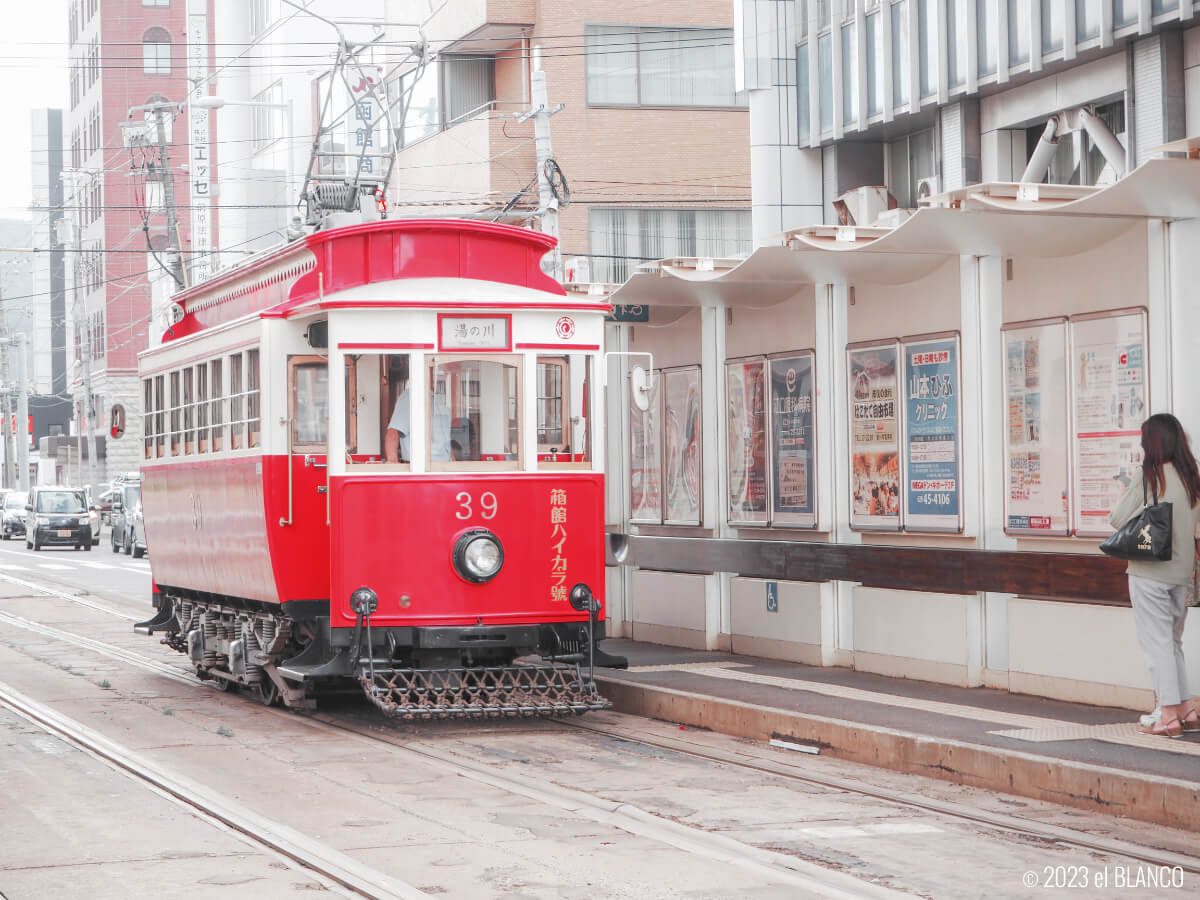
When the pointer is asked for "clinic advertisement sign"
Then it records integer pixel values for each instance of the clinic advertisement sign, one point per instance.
(793, 457)
(932, 488)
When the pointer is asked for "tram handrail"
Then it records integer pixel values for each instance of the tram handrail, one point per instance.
(286, 421)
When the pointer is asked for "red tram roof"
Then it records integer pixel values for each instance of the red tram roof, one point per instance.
(285, 280)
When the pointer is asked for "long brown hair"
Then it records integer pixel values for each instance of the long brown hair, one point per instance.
(1164, 441)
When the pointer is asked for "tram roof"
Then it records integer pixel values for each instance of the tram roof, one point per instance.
(286, 281)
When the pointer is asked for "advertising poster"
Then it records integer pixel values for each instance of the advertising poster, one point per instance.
(645, 487)
(932, 489)
(1108, 377)
(746, 388)
(1037, 462)
(793, 441)
(874, 437)
(681, 419)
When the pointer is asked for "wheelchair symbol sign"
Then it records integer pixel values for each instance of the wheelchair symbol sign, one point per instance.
(772, 596)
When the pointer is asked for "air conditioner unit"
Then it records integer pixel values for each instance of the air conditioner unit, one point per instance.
(928, 187)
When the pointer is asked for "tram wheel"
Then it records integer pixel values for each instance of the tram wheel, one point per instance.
(266, 691)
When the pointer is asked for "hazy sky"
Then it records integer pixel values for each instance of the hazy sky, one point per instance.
(33, 73)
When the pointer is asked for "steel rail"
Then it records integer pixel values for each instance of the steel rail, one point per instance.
(950, 809)
(313, 856)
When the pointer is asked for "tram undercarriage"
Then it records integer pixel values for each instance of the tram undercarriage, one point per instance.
(408, 673)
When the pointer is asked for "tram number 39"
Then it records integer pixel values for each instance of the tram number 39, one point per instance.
(488, 505)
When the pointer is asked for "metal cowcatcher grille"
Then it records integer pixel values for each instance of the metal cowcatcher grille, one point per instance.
(494, 692)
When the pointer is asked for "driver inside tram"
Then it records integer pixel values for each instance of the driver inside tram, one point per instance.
(396, 442)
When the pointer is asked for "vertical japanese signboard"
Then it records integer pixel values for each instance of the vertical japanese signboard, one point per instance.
(745, 381)
(200, 145)
(681, 422)
(645, 461)
(932, 473)
(874, 436)
(793, 441)
(1036, 430)
(1108, 380)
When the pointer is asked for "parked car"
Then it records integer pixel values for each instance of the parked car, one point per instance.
(57, 515)
(13, 522)
(105, 504)
(126, 517)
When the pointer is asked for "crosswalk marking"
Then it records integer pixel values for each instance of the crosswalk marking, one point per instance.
(12, 566)
(54, 566)
(98, 565)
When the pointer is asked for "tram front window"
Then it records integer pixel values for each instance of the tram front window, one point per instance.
(473, 411)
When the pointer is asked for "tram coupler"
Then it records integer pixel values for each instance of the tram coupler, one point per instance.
(581, 598)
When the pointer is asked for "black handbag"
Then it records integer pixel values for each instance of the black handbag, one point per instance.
(1146, 537)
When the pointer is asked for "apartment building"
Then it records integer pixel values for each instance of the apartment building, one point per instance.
(123, 54)
(648, 133)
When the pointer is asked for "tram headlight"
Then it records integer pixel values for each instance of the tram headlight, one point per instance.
(478, 555)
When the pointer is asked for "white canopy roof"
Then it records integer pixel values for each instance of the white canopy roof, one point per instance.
(982, 220)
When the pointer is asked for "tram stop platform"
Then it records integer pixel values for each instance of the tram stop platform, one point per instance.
(1089, 757)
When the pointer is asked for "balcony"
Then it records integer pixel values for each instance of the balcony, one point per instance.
(483, 25)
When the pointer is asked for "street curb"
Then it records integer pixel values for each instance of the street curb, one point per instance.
(1149, 798)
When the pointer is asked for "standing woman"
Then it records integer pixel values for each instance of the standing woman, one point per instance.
(1159, 590)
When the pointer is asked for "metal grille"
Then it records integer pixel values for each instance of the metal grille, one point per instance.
(508, 691)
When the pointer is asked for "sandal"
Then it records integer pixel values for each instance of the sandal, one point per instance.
(1191, 722)
(1172, 729)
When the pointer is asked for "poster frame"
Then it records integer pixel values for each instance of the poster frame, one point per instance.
(906, 515)
(768, 460)
(663, 374)
(1144, 314)
(795, 520)
(656, 391)
(878, 343)
(1068, 420)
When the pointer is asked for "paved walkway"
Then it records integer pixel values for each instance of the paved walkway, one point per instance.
(1087, 756)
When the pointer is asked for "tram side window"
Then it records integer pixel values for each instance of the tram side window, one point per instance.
(189, 412)
(564, 425)
(237, 423)
(147, 418)
(252, 394)
(474, 411)
(216, 404)
(310, 400)
(202, 408)
(176, 429)
(160, 429)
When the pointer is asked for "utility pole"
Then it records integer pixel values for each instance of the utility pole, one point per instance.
(541, 112)
(22, 429)
(178, 270)
(84, 334)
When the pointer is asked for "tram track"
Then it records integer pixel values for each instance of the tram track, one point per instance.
(679, 835)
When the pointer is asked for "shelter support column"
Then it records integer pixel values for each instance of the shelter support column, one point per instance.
(618, 579)
(833, 465)
(1182, 268)
(984, 464)
(1161, 343)
(718, 613)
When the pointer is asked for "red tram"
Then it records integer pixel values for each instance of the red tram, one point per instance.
(376, 454)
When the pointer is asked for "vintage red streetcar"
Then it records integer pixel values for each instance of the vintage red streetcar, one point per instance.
(376, 454)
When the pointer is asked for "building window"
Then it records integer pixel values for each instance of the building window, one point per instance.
(803, 96)
(987, 26)
(632, 66)
(874, 51)
(927, 47)
(956, 52)
(1125, 12)
(1087, 19)
(156, 2)
(825, 81)
(910, 160)
(468, 84)
(900, 45)
(259, 16)
(266, 120)
(620, 239)
(1052, 25)
(156, 52)
(1018, 32)
(849, 74)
